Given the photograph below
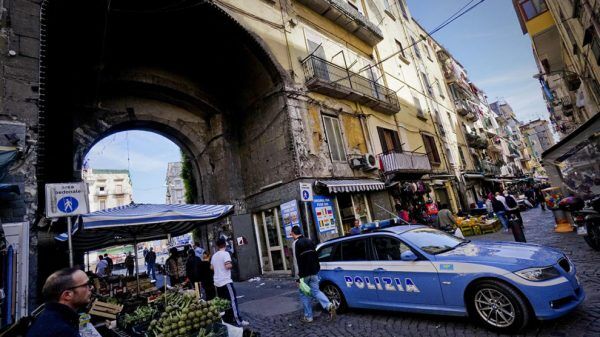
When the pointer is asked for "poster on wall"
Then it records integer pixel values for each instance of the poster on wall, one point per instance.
(323, 214)
(290, 216)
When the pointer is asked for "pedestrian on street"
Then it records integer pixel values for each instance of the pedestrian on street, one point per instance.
(445, 219)
(500, 211)
(174, 267)
(198, 250)
(512, 206)
(65, 291)
(207, 277)
(540, 197)
(110, 263)
(488, 205)
(101, 266)
(192, 264)
(306, 267)
(356, 229)
(151, 263)
(129, 264)
(221, 264)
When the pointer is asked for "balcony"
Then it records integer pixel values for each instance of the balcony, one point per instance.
(332, 80)
(495, 146)
(489, 169)
(403, 162)
(476, 141)
(465, 109)
(347, 17)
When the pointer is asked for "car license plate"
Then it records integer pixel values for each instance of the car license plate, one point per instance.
(581, 230)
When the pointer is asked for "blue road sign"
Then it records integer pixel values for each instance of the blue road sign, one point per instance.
(67, 204)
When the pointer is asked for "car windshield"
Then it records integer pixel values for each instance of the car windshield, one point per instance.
(432, 241)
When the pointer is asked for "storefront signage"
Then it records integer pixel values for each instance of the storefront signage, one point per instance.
(290, 216)
(66, 199)
(306, 192)
(324, 214)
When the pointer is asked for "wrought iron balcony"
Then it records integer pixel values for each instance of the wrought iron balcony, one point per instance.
(476, 141)
(332, 80)
(396, 162)
(348, 18)
(465, 109)
(489, 168)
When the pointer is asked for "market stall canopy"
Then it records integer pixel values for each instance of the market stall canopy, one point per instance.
(357, 185)
(142, 222)
(575, 141)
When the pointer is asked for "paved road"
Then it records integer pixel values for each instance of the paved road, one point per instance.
(272, 305)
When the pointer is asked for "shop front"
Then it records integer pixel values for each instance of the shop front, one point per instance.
(273, 248)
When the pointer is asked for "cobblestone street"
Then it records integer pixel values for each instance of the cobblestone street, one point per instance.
(272, 305)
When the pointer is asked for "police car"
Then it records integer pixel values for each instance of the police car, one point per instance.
(420, 269)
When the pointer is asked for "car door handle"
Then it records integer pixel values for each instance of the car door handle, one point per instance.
(379, 269)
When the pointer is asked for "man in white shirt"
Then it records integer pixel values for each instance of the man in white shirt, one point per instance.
(501, 198)
(198, 250)
(221, 265)
(101, 266)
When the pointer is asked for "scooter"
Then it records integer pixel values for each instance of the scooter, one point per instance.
(586, 215)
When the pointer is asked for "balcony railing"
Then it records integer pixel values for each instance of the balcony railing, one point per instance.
(348, 18)
(395, 162)
(332, 80)
(476, 141)
(490, 169)
(465, 109)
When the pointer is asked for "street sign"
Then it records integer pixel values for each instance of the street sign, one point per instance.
(306, 192)
(66, 199)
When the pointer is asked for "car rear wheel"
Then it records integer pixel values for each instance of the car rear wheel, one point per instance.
(498, 307)
(335, 296)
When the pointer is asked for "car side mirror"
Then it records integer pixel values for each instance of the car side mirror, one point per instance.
(408, 256)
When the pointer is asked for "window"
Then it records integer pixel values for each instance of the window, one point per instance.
(354, 250)
(426, 48)
(420, 112)
(118, 189)
(390, 142)
(403, 8)
(415, 47)
(532, 8)
(102, 204)
(354, 4)
(330, 253)
(426, 83)
(388, 248)
(462, 156)
(439, 88)
(333, 135)
(400, 49)
(431, 149)
(101, 188)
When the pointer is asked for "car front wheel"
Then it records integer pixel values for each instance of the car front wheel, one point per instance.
(498, 307)
(335, 296)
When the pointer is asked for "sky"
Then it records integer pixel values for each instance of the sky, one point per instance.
(489, 43)
(148, 153)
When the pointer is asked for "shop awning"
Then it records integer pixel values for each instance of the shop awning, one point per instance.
(142, 222)
(573, 142)
(473, 176)
(358, 185)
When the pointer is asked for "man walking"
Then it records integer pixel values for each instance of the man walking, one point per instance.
(110, 263)
(129, 263)
(306, 267)
(65, 291)
(221, 264)
(101, 266)
(150, 263)
(513, 208)
(500, 210)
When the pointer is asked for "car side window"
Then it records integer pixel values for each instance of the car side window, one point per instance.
(354, 250)
(329, 253)
(389, 248)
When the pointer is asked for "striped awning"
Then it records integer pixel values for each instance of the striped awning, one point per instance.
(358, 185)
(142, 222)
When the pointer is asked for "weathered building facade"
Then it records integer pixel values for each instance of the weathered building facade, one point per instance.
(107, 188)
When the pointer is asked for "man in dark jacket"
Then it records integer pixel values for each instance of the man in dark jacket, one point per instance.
(66, 291)
(150, 263)
(306, 266)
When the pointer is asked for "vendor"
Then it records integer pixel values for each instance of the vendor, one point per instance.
(65, 291)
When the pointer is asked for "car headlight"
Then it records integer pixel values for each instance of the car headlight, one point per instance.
(538, 274)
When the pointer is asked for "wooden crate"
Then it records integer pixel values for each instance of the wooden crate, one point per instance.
(105, 310)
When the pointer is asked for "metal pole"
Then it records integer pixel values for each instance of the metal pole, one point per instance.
(69, 233)
(137, 270)
(307, 220)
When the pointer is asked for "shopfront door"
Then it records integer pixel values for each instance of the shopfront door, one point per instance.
(270, 241)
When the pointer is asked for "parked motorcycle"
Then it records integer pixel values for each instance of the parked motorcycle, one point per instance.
(586, 215)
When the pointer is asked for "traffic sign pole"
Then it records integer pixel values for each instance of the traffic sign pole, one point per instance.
(70, 233)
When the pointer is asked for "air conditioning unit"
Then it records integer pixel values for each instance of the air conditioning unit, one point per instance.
(370, 162)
